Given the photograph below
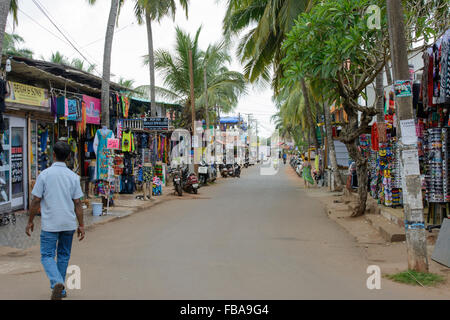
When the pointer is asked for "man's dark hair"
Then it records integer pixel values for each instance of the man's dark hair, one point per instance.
(61, 150)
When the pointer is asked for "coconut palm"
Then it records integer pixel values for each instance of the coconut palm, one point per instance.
(58, 58)
(79, 64)
(6, 7)
(224, 87)
(127, 83)
(269, 20)
(10, 46)
(106, 78)
(150, 11)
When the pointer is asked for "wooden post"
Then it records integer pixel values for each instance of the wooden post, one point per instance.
(416, 241)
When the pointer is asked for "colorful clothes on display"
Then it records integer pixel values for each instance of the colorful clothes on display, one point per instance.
(147, 174)
(103, 154)
(127, 142)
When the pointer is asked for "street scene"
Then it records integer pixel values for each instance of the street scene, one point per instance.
(194, 150)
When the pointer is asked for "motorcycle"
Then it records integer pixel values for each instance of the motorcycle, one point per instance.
(247, 162)
(223, 170)
(189, 181)
(203, 173)
(237, 170)
(213, 175)
(177, 183)
(230, 169)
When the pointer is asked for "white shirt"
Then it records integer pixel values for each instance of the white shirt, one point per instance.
(57, 187)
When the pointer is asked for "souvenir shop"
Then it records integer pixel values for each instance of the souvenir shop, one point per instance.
(431, 102)
(132, 158)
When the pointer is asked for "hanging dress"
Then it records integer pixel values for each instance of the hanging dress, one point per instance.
(102, 154)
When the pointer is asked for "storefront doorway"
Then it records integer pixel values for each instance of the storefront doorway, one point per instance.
(18, 163)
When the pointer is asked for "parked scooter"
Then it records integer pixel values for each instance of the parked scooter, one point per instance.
(230, 169)
(203, 173)
(176, 179)
(237, 170)
(223, 170)
(189, 181)
(213, 173)
(247, 162)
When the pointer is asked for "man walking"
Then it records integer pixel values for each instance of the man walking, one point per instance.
(57, 193)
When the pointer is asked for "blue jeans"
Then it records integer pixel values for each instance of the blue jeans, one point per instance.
(52, 243)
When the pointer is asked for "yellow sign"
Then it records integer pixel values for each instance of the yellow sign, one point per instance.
(29, 95)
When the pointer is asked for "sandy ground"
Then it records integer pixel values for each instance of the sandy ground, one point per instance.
(258, 237)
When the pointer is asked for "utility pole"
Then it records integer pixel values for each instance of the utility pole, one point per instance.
(416, 241)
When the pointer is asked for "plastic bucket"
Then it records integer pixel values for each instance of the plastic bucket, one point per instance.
(97, 209)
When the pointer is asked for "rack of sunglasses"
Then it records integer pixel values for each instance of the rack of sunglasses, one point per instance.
(446, 163)
(435, 170)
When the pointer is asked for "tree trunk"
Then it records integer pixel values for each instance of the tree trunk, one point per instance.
(379, 91)
(362, 176)
(107, 61)
(416, 240)
(4, 11)
(309, 113)
(388, 73)
(151, 63)
(206, 99)
(330, 142)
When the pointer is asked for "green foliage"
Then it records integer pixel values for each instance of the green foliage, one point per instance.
(269, 21)
(331, 34)
(415, 278)
(224, 86)
(11, 43)
(157, 9)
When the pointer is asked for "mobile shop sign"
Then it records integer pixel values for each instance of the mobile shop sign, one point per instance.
(29, 95)
(93, 109)
(156, 124)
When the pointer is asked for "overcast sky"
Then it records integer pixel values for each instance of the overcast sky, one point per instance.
(86, 26)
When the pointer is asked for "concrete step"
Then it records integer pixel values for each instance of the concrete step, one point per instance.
(388, 230)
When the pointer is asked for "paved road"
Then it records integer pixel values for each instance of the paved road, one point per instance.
(259, 237)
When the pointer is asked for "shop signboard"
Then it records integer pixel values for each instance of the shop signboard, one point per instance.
(29, 95)
(93, 109)
(156, 124)
(112, 144)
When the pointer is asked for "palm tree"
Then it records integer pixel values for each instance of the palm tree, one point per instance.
(127, 83)
(10, 42)
(261, 47)
(106, 78)
(79, 64)
(149, 11)
(59, 58)
(6, 7)
(224, 87)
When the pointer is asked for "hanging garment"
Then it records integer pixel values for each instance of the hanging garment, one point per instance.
(374, 137)
(103, 154)
(72, 114)
(61, 106)
(147, 174)
(3, 91)
(127, 142)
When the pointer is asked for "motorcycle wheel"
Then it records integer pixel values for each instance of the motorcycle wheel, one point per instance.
(195, 191)
(179, 190)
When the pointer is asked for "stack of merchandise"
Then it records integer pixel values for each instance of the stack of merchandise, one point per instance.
(373, 174)
(397, 176)
(446, 163)
(435, 186)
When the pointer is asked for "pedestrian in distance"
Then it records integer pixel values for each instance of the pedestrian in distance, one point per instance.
(57, 194)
